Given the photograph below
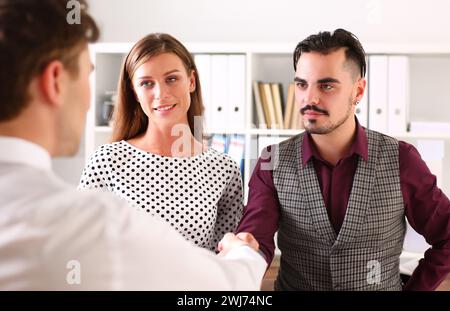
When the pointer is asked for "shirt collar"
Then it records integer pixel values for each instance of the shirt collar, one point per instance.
(359, 146)
(20, 151)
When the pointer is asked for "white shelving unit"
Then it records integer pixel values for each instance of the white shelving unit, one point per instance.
(429, 99)
(272, 62)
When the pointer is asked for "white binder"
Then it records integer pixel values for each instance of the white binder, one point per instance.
(378, 93)
(235, 108)
(203, 63)
(362, 109)
(219, 92)
(398, 93)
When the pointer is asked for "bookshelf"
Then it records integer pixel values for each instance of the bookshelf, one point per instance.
(429, 96)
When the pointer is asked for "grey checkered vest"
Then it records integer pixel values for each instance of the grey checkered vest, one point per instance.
(365, 253)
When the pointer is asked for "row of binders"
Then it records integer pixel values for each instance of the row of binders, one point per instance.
(384, 107)
(272, 111)
(223, 84)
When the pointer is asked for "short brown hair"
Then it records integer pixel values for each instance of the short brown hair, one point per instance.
(32, 34)
(325, 42)
(129, 118)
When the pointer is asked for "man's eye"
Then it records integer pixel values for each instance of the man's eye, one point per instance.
(327, 87)
(301, 85)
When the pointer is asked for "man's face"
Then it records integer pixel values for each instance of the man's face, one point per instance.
(77, 98)
(326, 90)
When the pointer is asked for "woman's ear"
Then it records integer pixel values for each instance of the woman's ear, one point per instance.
(52, 82)
(192, 85)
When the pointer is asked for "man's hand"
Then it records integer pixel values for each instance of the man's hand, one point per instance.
(230, 241)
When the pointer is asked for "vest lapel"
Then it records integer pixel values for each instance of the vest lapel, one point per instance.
(313, 198)
(360, 194)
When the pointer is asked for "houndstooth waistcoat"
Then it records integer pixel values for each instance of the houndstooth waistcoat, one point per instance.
(365, 253)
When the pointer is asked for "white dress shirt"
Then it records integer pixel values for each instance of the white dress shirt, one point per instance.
(55, 238)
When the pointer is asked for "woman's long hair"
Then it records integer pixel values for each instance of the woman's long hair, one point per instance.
(129, 118)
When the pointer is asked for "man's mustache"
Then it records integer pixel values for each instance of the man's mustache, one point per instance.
(313, 108)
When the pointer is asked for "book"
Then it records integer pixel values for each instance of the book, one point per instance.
(270, 105)
(261, 121)
(276, 95)
(289, 107)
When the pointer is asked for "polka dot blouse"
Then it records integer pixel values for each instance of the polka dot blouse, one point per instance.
(200, 196)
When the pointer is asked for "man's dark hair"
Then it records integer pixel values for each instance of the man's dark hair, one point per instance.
(326, 42)
(32, 34)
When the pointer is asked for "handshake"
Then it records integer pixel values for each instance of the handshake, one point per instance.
(231, 240)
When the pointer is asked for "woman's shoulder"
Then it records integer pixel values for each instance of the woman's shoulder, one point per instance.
(107, 151)
(222, 158)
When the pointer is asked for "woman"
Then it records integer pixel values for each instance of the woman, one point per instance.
(155, 162)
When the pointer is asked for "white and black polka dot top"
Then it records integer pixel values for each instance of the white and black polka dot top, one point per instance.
(200, 196)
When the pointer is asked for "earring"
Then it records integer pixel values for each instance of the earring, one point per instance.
(357, 102)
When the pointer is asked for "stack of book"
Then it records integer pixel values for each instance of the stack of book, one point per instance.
(272, 111)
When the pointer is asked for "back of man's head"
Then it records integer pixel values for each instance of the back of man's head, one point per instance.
(32, 34)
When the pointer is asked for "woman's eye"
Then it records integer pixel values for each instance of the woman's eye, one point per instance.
(172, 79)
(146, 84)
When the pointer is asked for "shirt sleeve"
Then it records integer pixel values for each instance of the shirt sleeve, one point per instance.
(94, 174)
(119, 248)
(230, 206)
(428, 212)
(156, 257)
(262, 213)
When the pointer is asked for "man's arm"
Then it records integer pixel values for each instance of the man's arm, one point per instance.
(262, 213)
(428, 211)
(156, 257)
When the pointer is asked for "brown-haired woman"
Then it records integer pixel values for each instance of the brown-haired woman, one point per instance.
(155, 161)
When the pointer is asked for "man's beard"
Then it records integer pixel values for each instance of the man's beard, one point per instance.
(312, 127)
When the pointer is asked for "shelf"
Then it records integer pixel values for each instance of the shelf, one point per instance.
(103, 129)
(226, 132)
(421, 135)
(272, 62)
(280, 48)
(292, 132)
(275, 132)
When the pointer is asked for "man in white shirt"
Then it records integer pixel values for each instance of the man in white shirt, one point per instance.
(52, 237)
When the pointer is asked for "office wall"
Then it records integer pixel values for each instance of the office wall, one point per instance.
(374, 21)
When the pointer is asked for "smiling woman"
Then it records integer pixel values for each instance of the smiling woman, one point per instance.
(157, 161)
(155, 56)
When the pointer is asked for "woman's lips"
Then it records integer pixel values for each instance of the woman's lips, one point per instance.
(164, 108)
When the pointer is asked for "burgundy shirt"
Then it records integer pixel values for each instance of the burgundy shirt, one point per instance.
(426, 206)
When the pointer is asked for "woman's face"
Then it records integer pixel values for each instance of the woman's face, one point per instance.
(163, 88)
